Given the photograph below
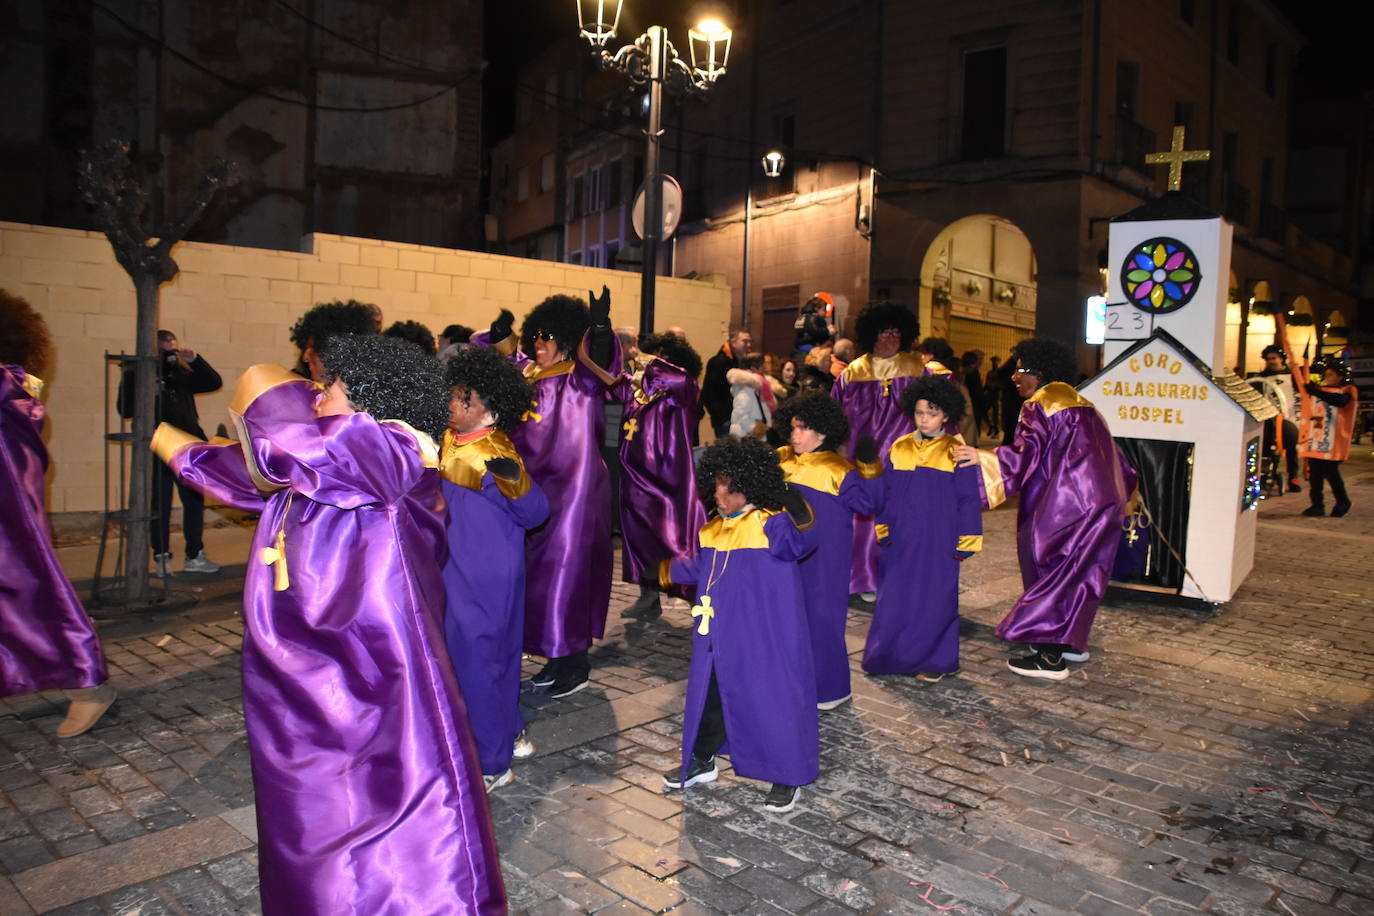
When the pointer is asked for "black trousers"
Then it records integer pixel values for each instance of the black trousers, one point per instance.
(1320, 469)
(711, 728)
(192, 513)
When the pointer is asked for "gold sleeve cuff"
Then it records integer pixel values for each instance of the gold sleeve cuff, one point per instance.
(869, 470)
(513, 489)
(970, 542)
(665, 577)
(993, 485)
(505, 347)
(882, 531)
(168, 441)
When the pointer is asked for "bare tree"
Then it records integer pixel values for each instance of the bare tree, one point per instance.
(110, 186)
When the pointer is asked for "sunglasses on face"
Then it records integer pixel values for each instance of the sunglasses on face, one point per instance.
(542, 334)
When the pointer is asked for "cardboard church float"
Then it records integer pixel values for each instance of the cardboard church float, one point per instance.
(1191, 428)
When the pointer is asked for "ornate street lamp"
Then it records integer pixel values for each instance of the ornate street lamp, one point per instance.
(773, 161)
(652, 60)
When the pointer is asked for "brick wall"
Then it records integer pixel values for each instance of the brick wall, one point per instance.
(235, 305)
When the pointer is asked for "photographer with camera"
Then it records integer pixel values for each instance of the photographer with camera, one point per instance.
(182, 374)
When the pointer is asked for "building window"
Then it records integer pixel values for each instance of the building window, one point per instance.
(1186, 10)
(595, 200)
(547, 174)
(1271, 70)
(612, 252)
(983, 118)
(574, 257)
(1233, 33)
(615, 177)
(1133, 140)
(522, 183)
(578, 198)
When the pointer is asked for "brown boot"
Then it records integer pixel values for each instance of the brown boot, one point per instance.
(88, 704)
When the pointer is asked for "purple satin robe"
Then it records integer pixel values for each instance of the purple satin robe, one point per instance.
(931, 509)
(835, 490)
(758, 644)
(870, 391)
(484, 582)
(1074, 484)
(369, 795)
(46, 640)
(660, 512)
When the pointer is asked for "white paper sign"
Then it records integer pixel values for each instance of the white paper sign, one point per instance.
(1126, 322)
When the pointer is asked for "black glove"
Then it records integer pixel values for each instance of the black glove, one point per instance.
(795, 505)
(504, 469)
(600, 308)
(866, 450)
(501, 327)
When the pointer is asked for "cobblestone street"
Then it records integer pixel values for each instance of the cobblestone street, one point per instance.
(1218, 763)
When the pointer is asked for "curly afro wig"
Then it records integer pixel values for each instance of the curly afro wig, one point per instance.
(413, 331)
(817, 411)
(24, 337)
(675, 350)
(877, 317)
(750, 466)
(1052, 360)
(494, 379)
(940, 351)
(390, 379)
(565, 317)
(939, 392)
(330, 318)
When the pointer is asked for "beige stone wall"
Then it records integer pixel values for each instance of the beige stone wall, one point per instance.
(235, 305)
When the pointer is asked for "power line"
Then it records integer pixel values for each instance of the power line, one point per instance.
(378, 52)
(268, 94)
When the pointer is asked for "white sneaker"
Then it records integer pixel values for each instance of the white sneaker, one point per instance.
(870, 597)
(163, 566)
(499, 780)
(199, 564)
(831, 704)
(524, 747)
(1077, 658)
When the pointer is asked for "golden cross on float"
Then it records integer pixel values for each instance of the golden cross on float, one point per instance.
(1175, 158)
(631, 426)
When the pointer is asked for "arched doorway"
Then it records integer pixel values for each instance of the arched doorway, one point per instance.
(978, 285)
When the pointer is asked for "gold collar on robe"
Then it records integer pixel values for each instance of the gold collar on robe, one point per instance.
(33, 386)
(823, 471)
(464, 461)
(911, 452)
(1056, 396)
(741, 532)
(868, 368)
(534, 372)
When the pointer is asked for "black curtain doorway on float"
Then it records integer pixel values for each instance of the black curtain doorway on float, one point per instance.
(1166, 480)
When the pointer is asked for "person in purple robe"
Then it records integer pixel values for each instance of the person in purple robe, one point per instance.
(565, 351)
(1074, 485)
(931, 520)
(940, 361)
(491, 504)
(46, 640)
(870, 391)
(816, 428)
(369, 791)
(660, 512)
(326, 320)
(751, 689)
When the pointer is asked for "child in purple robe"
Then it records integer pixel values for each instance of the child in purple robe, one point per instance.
(1074, 485)
(751, 691)
(46, 640)
(930, 521)
(491, 504)
(370, 797)
(816, 427)
(660, 512)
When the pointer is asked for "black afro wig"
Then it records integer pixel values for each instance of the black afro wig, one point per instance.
(675, 350)
(940, 351)
(330, 318)
(390, 379)
(1052, 360)
(877, 317)
(939, 391)
(24, 337)
(750, 466)
(413, 331)
(817, 411)
(565, 317)
(494, 379)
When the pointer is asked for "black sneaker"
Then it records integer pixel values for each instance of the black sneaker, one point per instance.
(648, 607)
(547, 675)
(1314, 511)
(1294, 486)
(1042, 665)
(700, 771)
(568, 684)
(1340, 509)
(781, 798)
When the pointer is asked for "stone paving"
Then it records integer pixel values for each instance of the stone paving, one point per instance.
(1200, 762)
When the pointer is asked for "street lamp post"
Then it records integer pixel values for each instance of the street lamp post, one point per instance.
(652, 61)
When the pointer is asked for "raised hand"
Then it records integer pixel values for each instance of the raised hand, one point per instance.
(600, 307)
